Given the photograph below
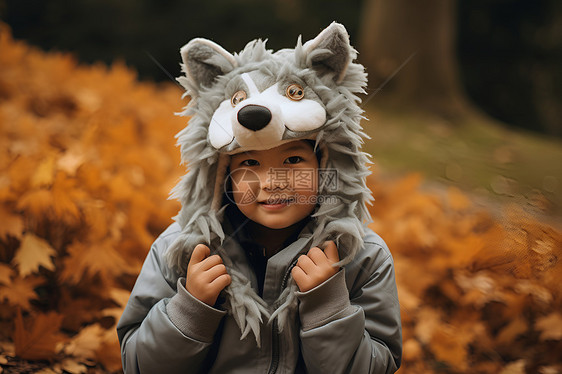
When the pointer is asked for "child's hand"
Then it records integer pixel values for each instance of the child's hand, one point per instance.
(206, 275)
(316, 267)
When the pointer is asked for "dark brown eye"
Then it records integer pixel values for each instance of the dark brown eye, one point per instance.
(238, 97)
(294, 92)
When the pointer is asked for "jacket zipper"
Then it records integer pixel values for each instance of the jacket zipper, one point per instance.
(274, 348)
(275, 327)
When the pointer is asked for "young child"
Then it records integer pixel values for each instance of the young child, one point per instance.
(270, 266)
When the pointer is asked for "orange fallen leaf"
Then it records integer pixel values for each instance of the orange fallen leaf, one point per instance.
(66, 196)
(20, 291)
(45, 172)
(93, 259)
(447, 347)
(71, 160)
(550, 326)
(6, 273)
(12, 224)
(109, 355)
(86, 343)
(33, 253)
(36, 203)
(516, 327)
(516, 367)
(38, 340)
(73, 366)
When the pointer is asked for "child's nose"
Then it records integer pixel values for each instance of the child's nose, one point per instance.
(271, 181)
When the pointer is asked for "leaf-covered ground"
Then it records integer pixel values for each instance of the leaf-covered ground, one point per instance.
(87, 159)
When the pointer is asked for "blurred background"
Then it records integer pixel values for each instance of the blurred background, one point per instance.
(507, 54)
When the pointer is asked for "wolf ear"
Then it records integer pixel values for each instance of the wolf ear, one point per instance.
(330, 51)
(204, 60)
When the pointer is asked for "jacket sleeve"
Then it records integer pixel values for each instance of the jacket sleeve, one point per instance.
(163, 328)
(358, 333)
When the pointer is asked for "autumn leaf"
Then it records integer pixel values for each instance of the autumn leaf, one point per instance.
(33, 253)
(412, 350)
(12, 224)
(18, 173)
(97, 217)
(6, 273)
(120, 297)
(73, 366)
(45, 173)
(96, 343)
(36, 203)
(56, 369)
(20, 291)
(66, 195)
(447, 347)
(86, 343)
(516, 367)
(516, 327)
(7, 348)
(5, 190)
(550, 326)
(92, 259)
(109, 354)
(429, 321)
(59, 202)
(71, 160)
(38, 339)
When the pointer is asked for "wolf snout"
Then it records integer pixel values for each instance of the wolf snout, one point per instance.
(254, 117)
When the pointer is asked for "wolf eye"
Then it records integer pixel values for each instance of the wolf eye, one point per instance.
(294, 92)
(238, 97)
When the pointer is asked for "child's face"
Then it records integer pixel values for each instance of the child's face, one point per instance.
(276, 187)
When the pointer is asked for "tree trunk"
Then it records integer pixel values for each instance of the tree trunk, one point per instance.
(415, 40)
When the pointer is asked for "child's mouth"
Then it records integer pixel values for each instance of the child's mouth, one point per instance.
(276, 203)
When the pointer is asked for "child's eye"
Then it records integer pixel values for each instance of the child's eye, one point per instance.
(250, 162)
(293, 160)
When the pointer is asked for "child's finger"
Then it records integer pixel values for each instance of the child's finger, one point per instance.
(215, 272)
(331, 251)
(299, 276)
(306, 264)
(200, 252)
(317, 256)
(210, 261)
(221, 282)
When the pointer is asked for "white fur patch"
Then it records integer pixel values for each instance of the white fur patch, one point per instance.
(220, 128)
(251, 85)
(298, 116)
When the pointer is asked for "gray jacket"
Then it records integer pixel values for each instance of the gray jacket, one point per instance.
(348, 324)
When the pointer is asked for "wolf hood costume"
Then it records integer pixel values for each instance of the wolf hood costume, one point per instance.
(257, 100)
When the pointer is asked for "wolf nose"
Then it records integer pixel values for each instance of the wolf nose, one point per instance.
(254, 117)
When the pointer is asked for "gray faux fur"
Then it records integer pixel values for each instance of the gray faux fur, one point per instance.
(326, 68)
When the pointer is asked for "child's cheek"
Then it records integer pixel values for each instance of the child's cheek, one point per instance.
(245, 185)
